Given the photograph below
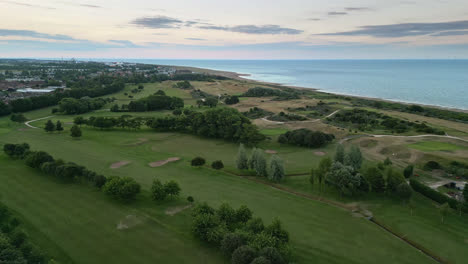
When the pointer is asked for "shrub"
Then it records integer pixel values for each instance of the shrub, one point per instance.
(306, 138)
(243, 255)
(217, 165)
(231, 242)
(18, 118)
(36, 158)
(272, 254)
(393, 180)
(198, 161)
(230, 100)
(17, 151)
(124, 188)
(190, 199)
(276, 172)
(432, 165)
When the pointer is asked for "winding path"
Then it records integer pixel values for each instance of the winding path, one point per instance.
(31, 126)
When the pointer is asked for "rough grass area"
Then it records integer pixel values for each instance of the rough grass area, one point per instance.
(435, 146)
(273, 131)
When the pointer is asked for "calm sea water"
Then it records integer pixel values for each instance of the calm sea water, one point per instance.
(432, 82)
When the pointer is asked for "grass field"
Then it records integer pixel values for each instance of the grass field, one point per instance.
(77, 224)
(435, 146)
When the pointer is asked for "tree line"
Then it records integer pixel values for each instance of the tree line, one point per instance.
(284, 94)
(306, 138)
(120, 188)
(242, 238)
(158, 101)
(440, 197)
(72, 106)
(15, 246)
(222, 123)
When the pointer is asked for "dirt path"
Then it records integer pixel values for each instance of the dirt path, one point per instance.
(27, 123)
(418, 136)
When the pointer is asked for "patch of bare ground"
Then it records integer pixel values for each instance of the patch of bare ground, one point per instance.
(160, 163)
(128, 222)
(269, 151)
(320, 153)
(140, 141)
(175, 210)
(360, 210)
(119, 164)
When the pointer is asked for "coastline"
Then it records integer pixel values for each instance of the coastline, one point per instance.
(241, 77)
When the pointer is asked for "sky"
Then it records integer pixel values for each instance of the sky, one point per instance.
(242, 29)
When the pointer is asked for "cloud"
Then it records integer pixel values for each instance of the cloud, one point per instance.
(33, 34)
(450, 33)
(158, 22)
(357, 9)
(195, 39)
(314, 19)
(91, 6)
(253, 29)
(337, 13)
(26, 4)
(404, 30)
(124, 43)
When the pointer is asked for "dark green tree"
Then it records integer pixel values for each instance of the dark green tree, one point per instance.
(172, 188)
(375, 178)
(217, 165)
(75, 131)
(408, 172)
(198, 161)
(59, 126)
(158, 192)
(340, 154)
(404, 192)
(49, 126)
(243, 255)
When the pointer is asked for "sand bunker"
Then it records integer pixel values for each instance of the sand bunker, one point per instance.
(269, 151)
(163, 162)
(320, 153)
(128, 222)
(119, 164)
(174, 210)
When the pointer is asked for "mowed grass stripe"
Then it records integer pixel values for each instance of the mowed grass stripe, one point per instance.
(85, 222)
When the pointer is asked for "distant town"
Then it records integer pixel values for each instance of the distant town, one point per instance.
(27, 78)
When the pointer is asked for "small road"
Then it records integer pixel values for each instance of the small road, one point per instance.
(31, 126)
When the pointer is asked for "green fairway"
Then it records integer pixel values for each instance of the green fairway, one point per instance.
(435, 146)
(74, 213)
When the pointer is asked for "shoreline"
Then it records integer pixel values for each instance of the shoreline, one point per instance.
(241, 77)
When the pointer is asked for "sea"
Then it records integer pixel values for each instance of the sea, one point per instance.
(441, 83)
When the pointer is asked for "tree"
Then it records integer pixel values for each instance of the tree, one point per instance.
(243, 255)
(198, 161)
(172, 188)
(243, 214)
(260, 164)
(343, 179)
(387, 162)
(241, 160)
(231, 242)
(75, 131)
(394, 179)
(276, 172)
(230, 100)
(375, 178)
(340, 154)
(408, 172)
(404, 191)
(354, 158)
(443, 210)
(253, 158)
(36, 158)
(313, 176)
(59, 126)
(49, 126)
(190, 199)
(158, 192)
(217, 165)
(272, 255)
(18, 118)
(122, 188)
(211, 102)
(79, 120)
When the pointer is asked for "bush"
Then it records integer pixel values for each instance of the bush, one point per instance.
(158, 192)
(272, 255)
(231, 242)
(198, 161)
(124, 188)
(393, 180)
(243, 255)
(190, 199)
(36, 158)
(260, 260)
(217, 165)
(17, 151)
(432, 165)
(230, 100)
(18, 118)
(306, 138)
(172, 188)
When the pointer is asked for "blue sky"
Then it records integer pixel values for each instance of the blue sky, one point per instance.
(209, 29)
